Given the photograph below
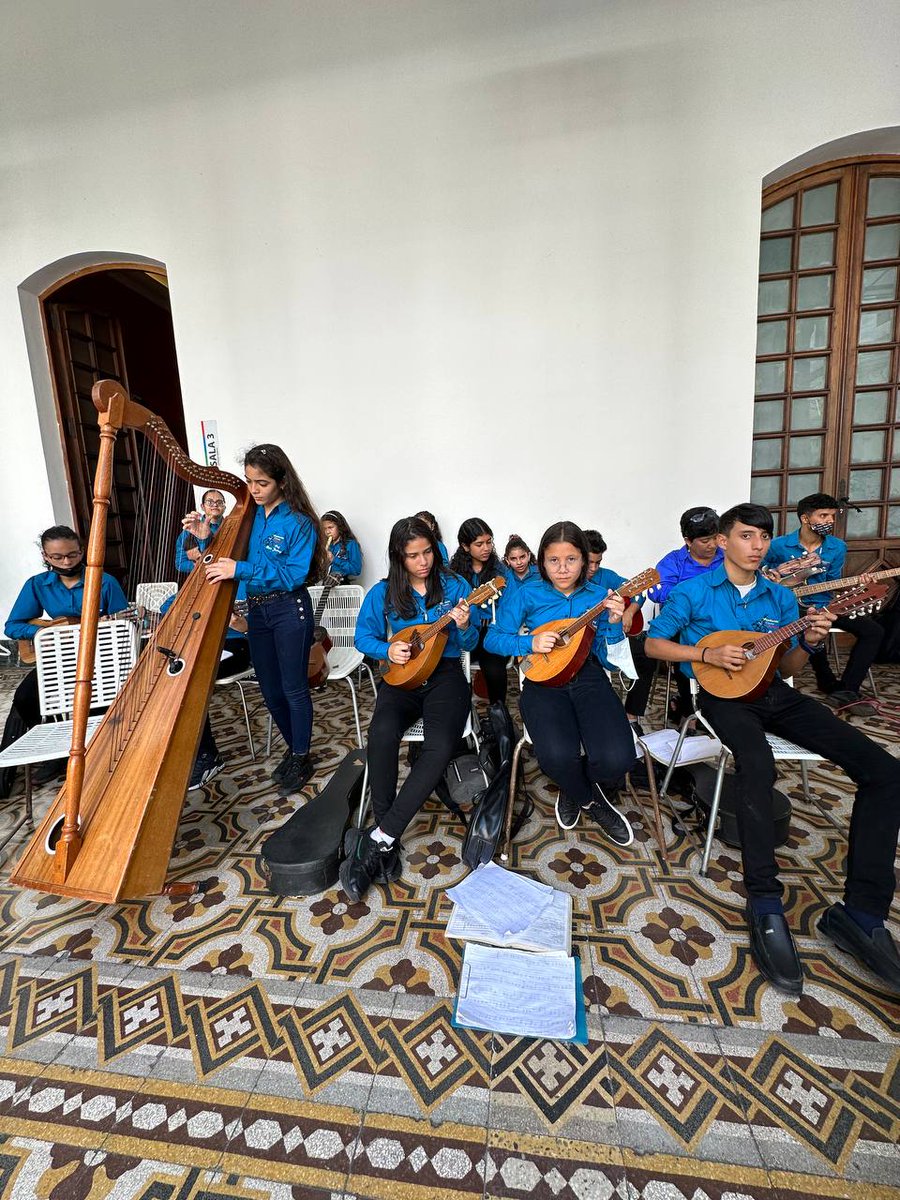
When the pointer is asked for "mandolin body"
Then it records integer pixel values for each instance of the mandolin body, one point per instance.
(564, 661)
(421, 663)
(752, 680)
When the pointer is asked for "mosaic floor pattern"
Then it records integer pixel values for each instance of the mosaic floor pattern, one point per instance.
(237, 1044)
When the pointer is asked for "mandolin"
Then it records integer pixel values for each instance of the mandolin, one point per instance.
(795, 570)
(835, 585)
(566, 659)
(763, 651)
(427, 641)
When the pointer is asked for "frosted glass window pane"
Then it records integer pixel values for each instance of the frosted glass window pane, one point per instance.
(873, 367)
(864, 523)
(810, 374)
(776, 525)
(775, 255)
(767, 454)
(771, 337)
(805, 452)
(765, 489)
(893, 522)
(867, 447)
(811, 333)
(778, 216)
(896, 454)
(865, 485)
(774, 296)
(769, 377)
(882, 241)
(895, 484)
(879, 283)
(818, 205)
(768, 416)
(876, 326)
(802, 485)
(870, 408)
(884, 197)
(814, 291)
(807, 412)
(816, 250)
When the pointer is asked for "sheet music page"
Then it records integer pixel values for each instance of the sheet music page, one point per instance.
(552, 931)
(504, 901)
(512, 991)
(694, 749)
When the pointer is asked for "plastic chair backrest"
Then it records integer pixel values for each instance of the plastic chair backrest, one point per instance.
(341, 611)
(152, 595)
(56, 650)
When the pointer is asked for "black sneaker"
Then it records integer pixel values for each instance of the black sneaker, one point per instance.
(282, 766)
(567, 811)
(206, 766)
(616, 826)
(366, 862)
(297, 773)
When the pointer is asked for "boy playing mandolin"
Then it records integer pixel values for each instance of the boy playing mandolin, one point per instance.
(737, 596)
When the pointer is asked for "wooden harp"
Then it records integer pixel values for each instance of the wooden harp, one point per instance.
(109, 833)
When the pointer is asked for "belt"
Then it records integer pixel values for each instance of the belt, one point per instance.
(265, 597)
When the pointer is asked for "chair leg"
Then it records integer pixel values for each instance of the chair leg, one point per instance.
(673, 762)
(668, 669)
(714, 812)
(247, 720)
(269, 738)
(872, 684)
(359, 736)
(510, 800)
(804, 775)
(371, 680)
(654, 800)
(363, 797)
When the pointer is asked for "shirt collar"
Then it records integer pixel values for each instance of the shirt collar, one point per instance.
(718, 575)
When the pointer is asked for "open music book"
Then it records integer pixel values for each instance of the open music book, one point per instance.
(549, 933)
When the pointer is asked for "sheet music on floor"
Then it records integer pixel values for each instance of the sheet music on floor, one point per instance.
(550, 933)
(507, 903)
(516, 992)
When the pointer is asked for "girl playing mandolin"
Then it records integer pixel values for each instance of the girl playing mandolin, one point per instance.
(585, 712)
(59, 592)
(418, 589)
(285, 553)
(346, 555)
(476, 561)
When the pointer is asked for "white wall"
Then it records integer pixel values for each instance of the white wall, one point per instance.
(490, 257)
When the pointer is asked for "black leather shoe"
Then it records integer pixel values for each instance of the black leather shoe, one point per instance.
(877, 949)
(774, 951)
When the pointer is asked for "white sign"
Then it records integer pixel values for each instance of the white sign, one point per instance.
(210, 432)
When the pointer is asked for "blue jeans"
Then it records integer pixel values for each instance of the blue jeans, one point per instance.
(281, 634)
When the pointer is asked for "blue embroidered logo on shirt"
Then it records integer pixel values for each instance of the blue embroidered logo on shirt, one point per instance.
(274, 543)
(765, 625)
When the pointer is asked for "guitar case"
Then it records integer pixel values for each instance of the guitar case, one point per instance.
(704, 777)
(302, 857)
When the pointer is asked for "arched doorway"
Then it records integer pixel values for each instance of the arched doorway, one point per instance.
(110, 319)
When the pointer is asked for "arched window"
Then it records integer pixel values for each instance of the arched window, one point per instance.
(826, 411)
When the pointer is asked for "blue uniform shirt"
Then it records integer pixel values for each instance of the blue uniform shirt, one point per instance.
(514, 581)
(833, 553)
(374, 625)
(444, 555)
(710, 602)
(280, 552)
(676, 567)
(183, 564)
(346, 560)
(46, 593)
(538, 602)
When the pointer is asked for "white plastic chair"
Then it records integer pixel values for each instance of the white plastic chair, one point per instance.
(151, 596)
(416, 733)
(344, 660)
(782, 751)
(56, 650)
(240, 680)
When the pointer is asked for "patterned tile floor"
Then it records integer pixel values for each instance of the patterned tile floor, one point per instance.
(243, 1045)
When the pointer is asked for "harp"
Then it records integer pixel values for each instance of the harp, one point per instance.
(109, 833)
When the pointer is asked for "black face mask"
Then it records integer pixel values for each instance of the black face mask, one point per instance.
(66, 572)
(822, 529)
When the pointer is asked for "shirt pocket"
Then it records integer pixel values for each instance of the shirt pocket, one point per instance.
(275, 544)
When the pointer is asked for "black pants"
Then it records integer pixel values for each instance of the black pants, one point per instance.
(639, 692)
(493, 667)
(24, 714)
(584, 712)
(869, 635)
(239, 661)
(875, 820)
(443, 702)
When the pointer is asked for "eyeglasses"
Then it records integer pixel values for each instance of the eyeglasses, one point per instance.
(214, 503)
(699, 517)
(63, 557)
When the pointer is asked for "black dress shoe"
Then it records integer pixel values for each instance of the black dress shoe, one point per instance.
(774, 951)
(877, 949)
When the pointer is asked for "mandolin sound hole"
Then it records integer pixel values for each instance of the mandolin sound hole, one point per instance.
(55, 833)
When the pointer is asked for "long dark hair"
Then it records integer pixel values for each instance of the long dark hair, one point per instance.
(461, 562)
(564, 531)
(399, 596)
(430, 519)
(274, 463)
(517, 543)
(345, 533)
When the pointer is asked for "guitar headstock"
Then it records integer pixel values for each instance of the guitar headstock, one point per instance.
(645, 582)
(488, 591)
(855, 601)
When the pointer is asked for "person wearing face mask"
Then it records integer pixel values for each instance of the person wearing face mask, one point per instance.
(817, 514)
(57, 592)
(190, 547)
